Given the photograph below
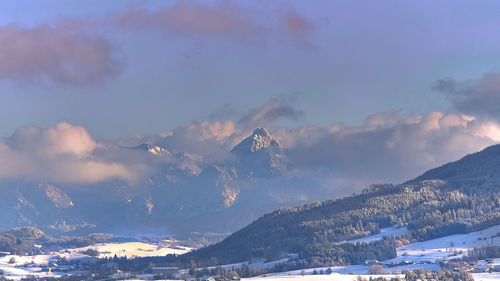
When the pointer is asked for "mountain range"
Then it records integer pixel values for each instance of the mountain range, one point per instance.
(184, 194)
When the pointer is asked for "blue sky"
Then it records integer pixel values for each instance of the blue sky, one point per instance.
(357, 92)
(354, 59)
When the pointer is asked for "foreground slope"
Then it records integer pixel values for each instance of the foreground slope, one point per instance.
(459, 197)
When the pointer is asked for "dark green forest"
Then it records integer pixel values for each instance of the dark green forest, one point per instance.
(459, 197)
(428, 208)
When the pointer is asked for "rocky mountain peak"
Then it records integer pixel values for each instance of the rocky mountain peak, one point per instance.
(260, 155)
(259, 140)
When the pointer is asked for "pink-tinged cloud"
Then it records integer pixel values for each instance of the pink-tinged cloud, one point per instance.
(388, 147)
(297, 27)
(66, 53)
(224, 18)
(61, 154)
(296, 24)
(212, 140)
(194, 18)
(64, 138)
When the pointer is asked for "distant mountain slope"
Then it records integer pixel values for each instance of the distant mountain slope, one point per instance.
(438, 203)
(477, 169)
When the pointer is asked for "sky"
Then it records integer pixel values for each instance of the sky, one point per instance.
(409, 81)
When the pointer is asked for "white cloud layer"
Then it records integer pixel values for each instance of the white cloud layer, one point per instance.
(388, 147)
(62, 154)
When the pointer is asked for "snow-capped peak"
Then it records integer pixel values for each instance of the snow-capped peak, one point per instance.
(153, 149)
(260, 139)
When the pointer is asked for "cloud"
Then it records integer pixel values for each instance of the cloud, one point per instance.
(387, 147)
(214, 140)
(267, 114)
(62, 154)
(298, 27)
(480, 96)
(62, 139)
(66, 53)
(223, 18)
(208, 139)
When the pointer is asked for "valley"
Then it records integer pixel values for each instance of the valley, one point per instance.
(437, 222)
(436, 254)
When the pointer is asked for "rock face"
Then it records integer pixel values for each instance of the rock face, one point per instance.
(260, 155)
(59, 198)
(259, 140)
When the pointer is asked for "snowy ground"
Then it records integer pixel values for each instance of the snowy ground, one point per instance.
(446, 248)
(333, 276)
(383, 232)
(32, 265)
(426, 254)
(352, 277)
(133, 249)
(20, 269)
(486, 276)
(255, 264)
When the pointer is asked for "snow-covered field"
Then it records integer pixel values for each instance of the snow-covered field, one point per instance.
(133, 249)
(352, 277)
(446, 248)
(486, 276)
(343, 277)
(33, 265)
(24, 266)
(262, 264)
(297, 277)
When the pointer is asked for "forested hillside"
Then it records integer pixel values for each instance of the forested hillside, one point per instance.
(429, 208)
(23, 240)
